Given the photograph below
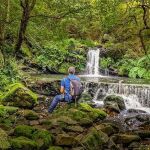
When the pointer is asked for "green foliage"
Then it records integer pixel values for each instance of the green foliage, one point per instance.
(106, 62)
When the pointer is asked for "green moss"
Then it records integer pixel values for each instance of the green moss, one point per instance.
(43, 138)
(31, 115)
(4, 144)
(24, 130)
(94, 113)
(55, 148)
(23, 143)
(13, 88)
(8, 109)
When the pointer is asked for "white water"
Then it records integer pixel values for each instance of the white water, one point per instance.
(135, 96)
(93, 62)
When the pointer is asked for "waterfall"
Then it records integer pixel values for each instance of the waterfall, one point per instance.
(135, 96)
(93, 62)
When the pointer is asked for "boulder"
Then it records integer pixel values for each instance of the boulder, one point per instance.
(30, 115)
(114, 102)
(19, 96)
(85, 122)
(95, 139)
(23, 143)
(4, 143)
(24, 130)
(94, 113)
(43, 138)
(65, 140)
(106, 128)
(125, 138)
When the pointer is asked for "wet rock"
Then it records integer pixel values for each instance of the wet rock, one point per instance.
(95, 139)
(65, 140)
(4, 143)
(134, 145)
(21, 143)
(112, 145)
(135, 111)
(114, 102)
(125, 138)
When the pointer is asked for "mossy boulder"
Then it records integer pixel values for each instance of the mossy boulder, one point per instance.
(20, 96)
(23, 143)
(125, 138)
(55, 148)
(43, 138)
(106, 128)
(65, 140)
(24, 130)
(95, 139)
(30, 115)
(114, 102)
(7, 109)
(94, 113)
(4, 143)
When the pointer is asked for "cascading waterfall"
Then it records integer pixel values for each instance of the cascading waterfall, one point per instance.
(93, 62)
(135, 96)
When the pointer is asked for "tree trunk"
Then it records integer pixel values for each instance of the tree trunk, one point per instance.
(27, 7)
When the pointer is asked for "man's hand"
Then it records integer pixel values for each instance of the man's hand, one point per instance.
(62, 90)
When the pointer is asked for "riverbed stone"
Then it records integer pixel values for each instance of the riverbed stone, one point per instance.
(30, 115)
(114, 102)
(75, 128)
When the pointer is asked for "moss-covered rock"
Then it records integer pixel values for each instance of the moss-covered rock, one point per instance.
(24, 130)
(30, 115)
(8, 109)
(125, 138)
(106, 128)
(4, 143)
(65, 140)
(23, 143)
(95, 139)
(55, 148)
(43, 138)
(114, 102)
(20, 96)
(75, 128)
(94, 113)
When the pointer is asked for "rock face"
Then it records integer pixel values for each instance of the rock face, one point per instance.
(115, 103)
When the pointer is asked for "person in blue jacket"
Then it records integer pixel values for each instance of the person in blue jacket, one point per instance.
(64, 90)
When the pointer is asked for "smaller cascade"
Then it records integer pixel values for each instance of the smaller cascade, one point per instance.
(93, 62)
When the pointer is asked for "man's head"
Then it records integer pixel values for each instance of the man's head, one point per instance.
(71, 70)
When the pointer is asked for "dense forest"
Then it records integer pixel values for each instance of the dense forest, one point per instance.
(53, 35)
